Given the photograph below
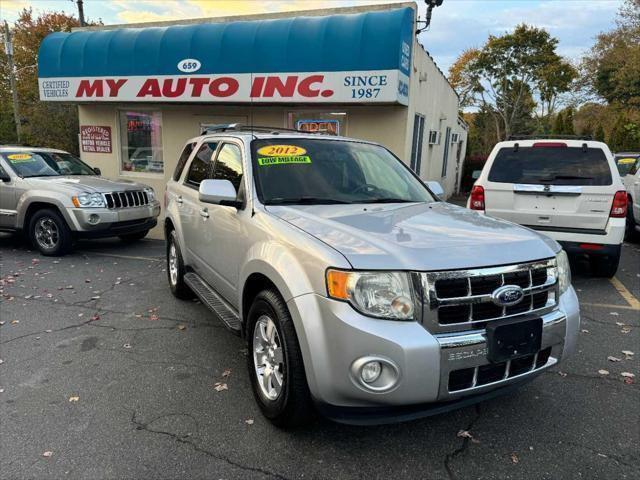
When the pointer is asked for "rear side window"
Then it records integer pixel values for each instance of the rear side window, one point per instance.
(551, 166)
(182, 161)
(200, 168)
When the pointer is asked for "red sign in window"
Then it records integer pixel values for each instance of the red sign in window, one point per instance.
(94, 139)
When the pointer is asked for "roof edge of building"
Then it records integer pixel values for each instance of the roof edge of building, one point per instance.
(257, 16)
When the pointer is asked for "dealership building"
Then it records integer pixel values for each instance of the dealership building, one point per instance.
(143, 90)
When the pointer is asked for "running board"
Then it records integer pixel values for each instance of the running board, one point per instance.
(213, 301)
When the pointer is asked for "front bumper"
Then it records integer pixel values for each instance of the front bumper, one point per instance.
(333, 335)
(104, 222)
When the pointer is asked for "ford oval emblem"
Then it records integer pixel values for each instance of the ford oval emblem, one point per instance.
(189, 65)
(507, 295)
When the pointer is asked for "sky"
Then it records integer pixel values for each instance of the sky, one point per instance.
(455, 26)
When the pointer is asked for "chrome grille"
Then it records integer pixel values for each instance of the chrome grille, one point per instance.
(126, 199)
(460, 300)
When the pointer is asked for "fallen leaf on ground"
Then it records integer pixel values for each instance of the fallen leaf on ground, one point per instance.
(249, 421)
(626, 330)
(584, 330)
(74, 399)
(95, 317)
(219, 387)
(154, 317)
(47, 454)
(127, 345)
(226, 373)
(620, 324)
(628, 353)
(181, 327)
(48, 331)
(628, 375)
(86, 280)
(562, 374)
(514, 458)
(615, 314)
(613, 359)
(603, 372)
(628, 381)
(97, 297)
(467, 434)
(14, 322)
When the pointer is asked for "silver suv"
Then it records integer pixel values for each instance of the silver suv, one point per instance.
(361, 295)
(56, 198)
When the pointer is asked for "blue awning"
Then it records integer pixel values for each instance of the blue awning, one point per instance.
(350, 42)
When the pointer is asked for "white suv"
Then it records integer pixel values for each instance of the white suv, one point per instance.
(568, 189)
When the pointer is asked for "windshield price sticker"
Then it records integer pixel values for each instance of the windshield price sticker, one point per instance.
(20, 157)
(265, 161)
(282, 151)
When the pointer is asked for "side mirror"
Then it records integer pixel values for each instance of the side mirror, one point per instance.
(436, 188)
(220, 192)
(4, 176)
(476, 174)
(97, 170)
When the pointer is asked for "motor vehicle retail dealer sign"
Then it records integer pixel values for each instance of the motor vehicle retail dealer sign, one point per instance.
(94, 139)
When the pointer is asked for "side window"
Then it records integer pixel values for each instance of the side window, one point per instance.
(200, 168)
(229, 165)
(182, 161)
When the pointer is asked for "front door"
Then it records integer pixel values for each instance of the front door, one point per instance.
(227, 238)
(7, 201)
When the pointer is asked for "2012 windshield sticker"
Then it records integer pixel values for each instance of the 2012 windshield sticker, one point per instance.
(281, 151)
(20, 157)
(266, 161)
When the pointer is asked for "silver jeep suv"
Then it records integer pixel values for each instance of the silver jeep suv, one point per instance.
(360, 293)
(56, 198)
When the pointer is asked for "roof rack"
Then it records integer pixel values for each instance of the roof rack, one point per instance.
(550, 137)
(239, 127)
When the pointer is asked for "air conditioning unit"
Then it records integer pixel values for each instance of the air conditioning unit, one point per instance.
(434, 137)
(455, 138)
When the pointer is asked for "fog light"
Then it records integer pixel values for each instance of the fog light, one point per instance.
(94, 218)
(371, 371)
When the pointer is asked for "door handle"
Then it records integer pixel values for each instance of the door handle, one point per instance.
(179, 200)
(204, 213)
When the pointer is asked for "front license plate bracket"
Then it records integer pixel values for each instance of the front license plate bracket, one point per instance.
(513, 339)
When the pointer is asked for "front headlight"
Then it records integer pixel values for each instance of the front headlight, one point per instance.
(150, 194)
(89, 200)
(377, 294)
(564, 271)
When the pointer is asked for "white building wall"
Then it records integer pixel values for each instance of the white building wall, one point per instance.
(432, 96)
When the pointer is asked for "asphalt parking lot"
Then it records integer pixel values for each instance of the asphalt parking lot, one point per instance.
(105, 375)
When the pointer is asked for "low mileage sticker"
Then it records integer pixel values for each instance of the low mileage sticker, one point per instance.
(265, 161)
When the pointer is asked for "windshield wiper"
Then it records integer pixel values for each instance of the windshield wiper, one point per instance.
(304, 201)
(386, 200)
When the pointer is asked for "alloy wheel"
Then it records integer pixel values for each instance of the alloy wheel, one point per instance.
(268, 358)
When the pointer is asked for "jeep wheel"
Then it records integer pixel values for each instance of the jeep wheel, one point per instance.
(133, 237)
(175, 269)
(49, 233)
(275, 363)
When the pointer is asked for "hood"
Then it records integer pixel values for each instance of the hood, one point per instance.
(83, 183)
(424, 236)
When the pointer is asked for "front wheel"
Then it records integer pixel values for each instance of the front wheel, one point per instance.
(275, 363)
(49, 233)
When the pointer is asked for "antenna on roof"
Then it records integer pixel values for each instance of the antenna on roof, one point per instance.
(431, 4)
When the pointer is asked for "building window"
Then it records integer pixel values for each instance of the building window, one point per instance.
(330, 123)
(445, 157)
(416, 143)
(141, 142)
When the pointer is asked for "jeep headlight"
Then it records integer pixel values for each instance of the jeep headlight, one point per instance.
(377, 294)
(151, 195)
(89, 200)
(564, 271)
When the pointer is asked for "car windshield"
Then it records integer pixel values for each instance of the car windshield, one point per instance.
(551, 166)
(46, 164)
(626, 163)
(323, 171)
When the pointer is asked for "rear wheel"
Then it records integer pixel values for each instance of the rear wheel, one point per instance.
(175, 269)
(606, 266)
(275, 363)
(49, 233)
(133, 237)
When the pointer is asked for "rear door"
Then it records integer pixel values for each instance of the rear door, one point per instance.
(551, 186)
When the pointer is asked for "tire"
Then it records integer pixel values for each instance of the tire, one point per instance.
(606, 266)
(49, 233)
(133, 237)
(291, 406)
(175, 272)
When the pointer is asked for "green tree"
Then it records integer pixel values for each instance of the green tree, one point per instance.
(568, 122)
(599, 135)
(511, 74)
(558, 124)
(43, 123)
